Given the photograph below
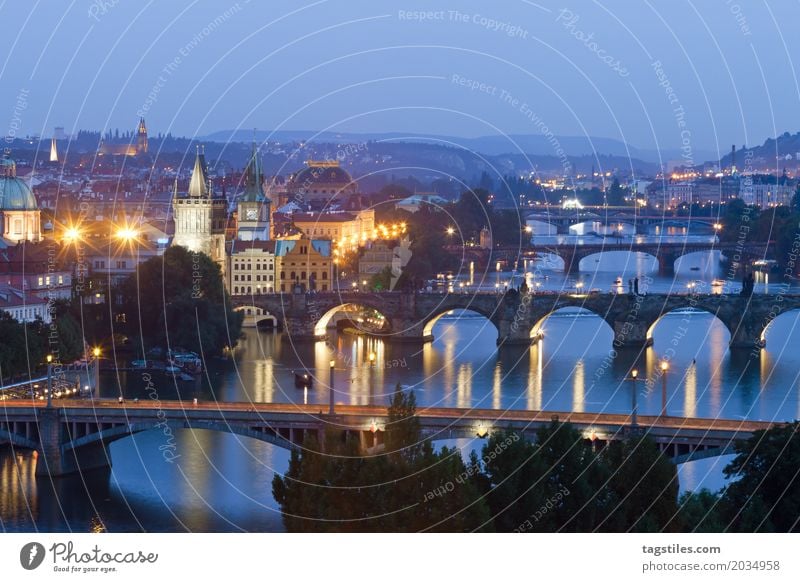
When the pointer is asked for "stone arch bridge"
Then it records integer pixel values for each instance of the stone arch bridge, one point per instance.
(410, 317)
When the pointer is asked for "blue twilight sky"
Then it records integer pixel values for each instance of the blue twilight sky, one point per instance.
(712, 72)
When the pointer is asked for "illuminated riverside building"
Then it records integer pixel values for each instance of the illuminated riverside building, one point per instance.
(304, 262)
(251, 267)
(352, 228)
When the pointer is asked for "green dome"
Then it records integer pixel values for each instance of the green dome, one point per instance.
(15, 194)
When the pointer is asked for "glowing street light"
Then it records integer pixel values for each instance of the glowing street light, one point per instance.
(450, 231)
(126, 233)
(664, 368)
(634, 401)
(72, 234)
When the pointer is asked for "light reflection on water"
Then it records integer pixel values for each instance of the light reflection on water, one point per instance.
(222, 482)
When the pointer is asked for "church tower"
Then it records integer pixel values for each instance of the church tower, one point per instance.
(253, 211)
(200, 216)
(141, 138)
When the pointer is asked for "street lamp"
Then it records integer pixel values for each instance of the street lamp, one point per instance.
(450, 231)
(96, 354)
(372, 359)
(664, 368)
(49, 380)
(634, 401)
(330, 401)
(578, 286)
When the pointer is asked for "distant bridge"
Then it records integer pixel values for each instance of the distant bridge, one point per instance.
(564, 219)
(74, 435)
(410, 317)
(666, 253)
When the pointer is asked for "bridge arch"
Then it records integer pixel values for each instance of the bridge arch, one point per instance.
(433, 318)
(108, 435)
(779, 321)
(695, 309)
(17, 440)
(540, 319)
(379, 324)
(255, 316)
(612, 252)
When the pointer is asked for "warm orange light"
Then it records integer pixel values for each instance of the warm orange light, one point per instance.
(126, 233)
(96, 352)
(72, 234)
(664, 366)
(634, 374)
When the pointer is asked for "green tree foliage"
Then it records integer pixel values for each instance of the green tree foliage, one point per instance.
(180, 297)
(410, 487)
(616, 194)
(766, 493)
(700, 512)
(645, 483)
(21, 347)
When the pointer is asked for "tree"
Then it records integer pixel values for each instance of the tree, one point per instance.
(616, 194)
(766, 494)
(410, 487)
(700, 512)
(183, 302)
(21, 348)
(645, 482)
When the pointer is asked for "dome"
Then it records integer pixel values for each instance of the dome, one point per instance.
(15, 194)
(321, 174)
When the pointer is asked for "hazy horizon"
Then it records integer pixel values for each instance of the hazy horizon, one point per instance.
(653, 76)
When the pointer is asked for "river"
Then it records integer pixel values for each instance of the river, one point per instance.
(221, 482)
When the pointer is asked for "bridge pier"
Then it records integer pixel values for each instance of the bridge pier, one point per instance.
(631, 334)
(55, 460)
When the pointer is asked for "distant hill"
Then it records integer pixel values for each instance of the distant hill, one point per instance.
(533, 144)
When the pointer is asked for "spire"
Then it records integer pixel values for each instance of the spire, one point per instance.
(142, 128)
(53, 150)
(253, 179)
(198, 184)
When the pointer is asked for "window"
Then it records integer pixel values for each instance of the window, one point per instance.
(271, 278)
(60, 279)
(303, 275)
(41, 280)
(324, 275)
(324, 286)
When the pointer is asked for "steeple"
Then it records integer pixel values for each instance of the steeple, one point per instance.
(199, 183)
(53, 150)
(253, 179)
(141, 137)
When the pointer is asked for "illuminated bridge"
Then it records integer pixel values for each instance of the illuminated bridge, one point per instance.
(410, 317)
(74, 435)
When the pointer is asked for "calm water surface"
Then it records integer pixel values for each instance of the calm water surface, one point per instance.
(222, 482)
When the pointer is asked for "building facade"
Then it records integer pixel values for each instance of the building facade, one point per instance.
(305, 262)
(20, 218)
(200, 216)
(253, 213)
(251, 268)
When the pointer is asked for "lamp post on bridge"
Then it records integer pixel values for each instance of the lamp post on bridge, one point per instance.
(330, 393)
(664, 368)
(49, 380)
(634, 400)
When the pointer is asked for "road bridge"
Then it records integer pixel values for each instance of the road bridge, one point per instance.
(75, 435)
